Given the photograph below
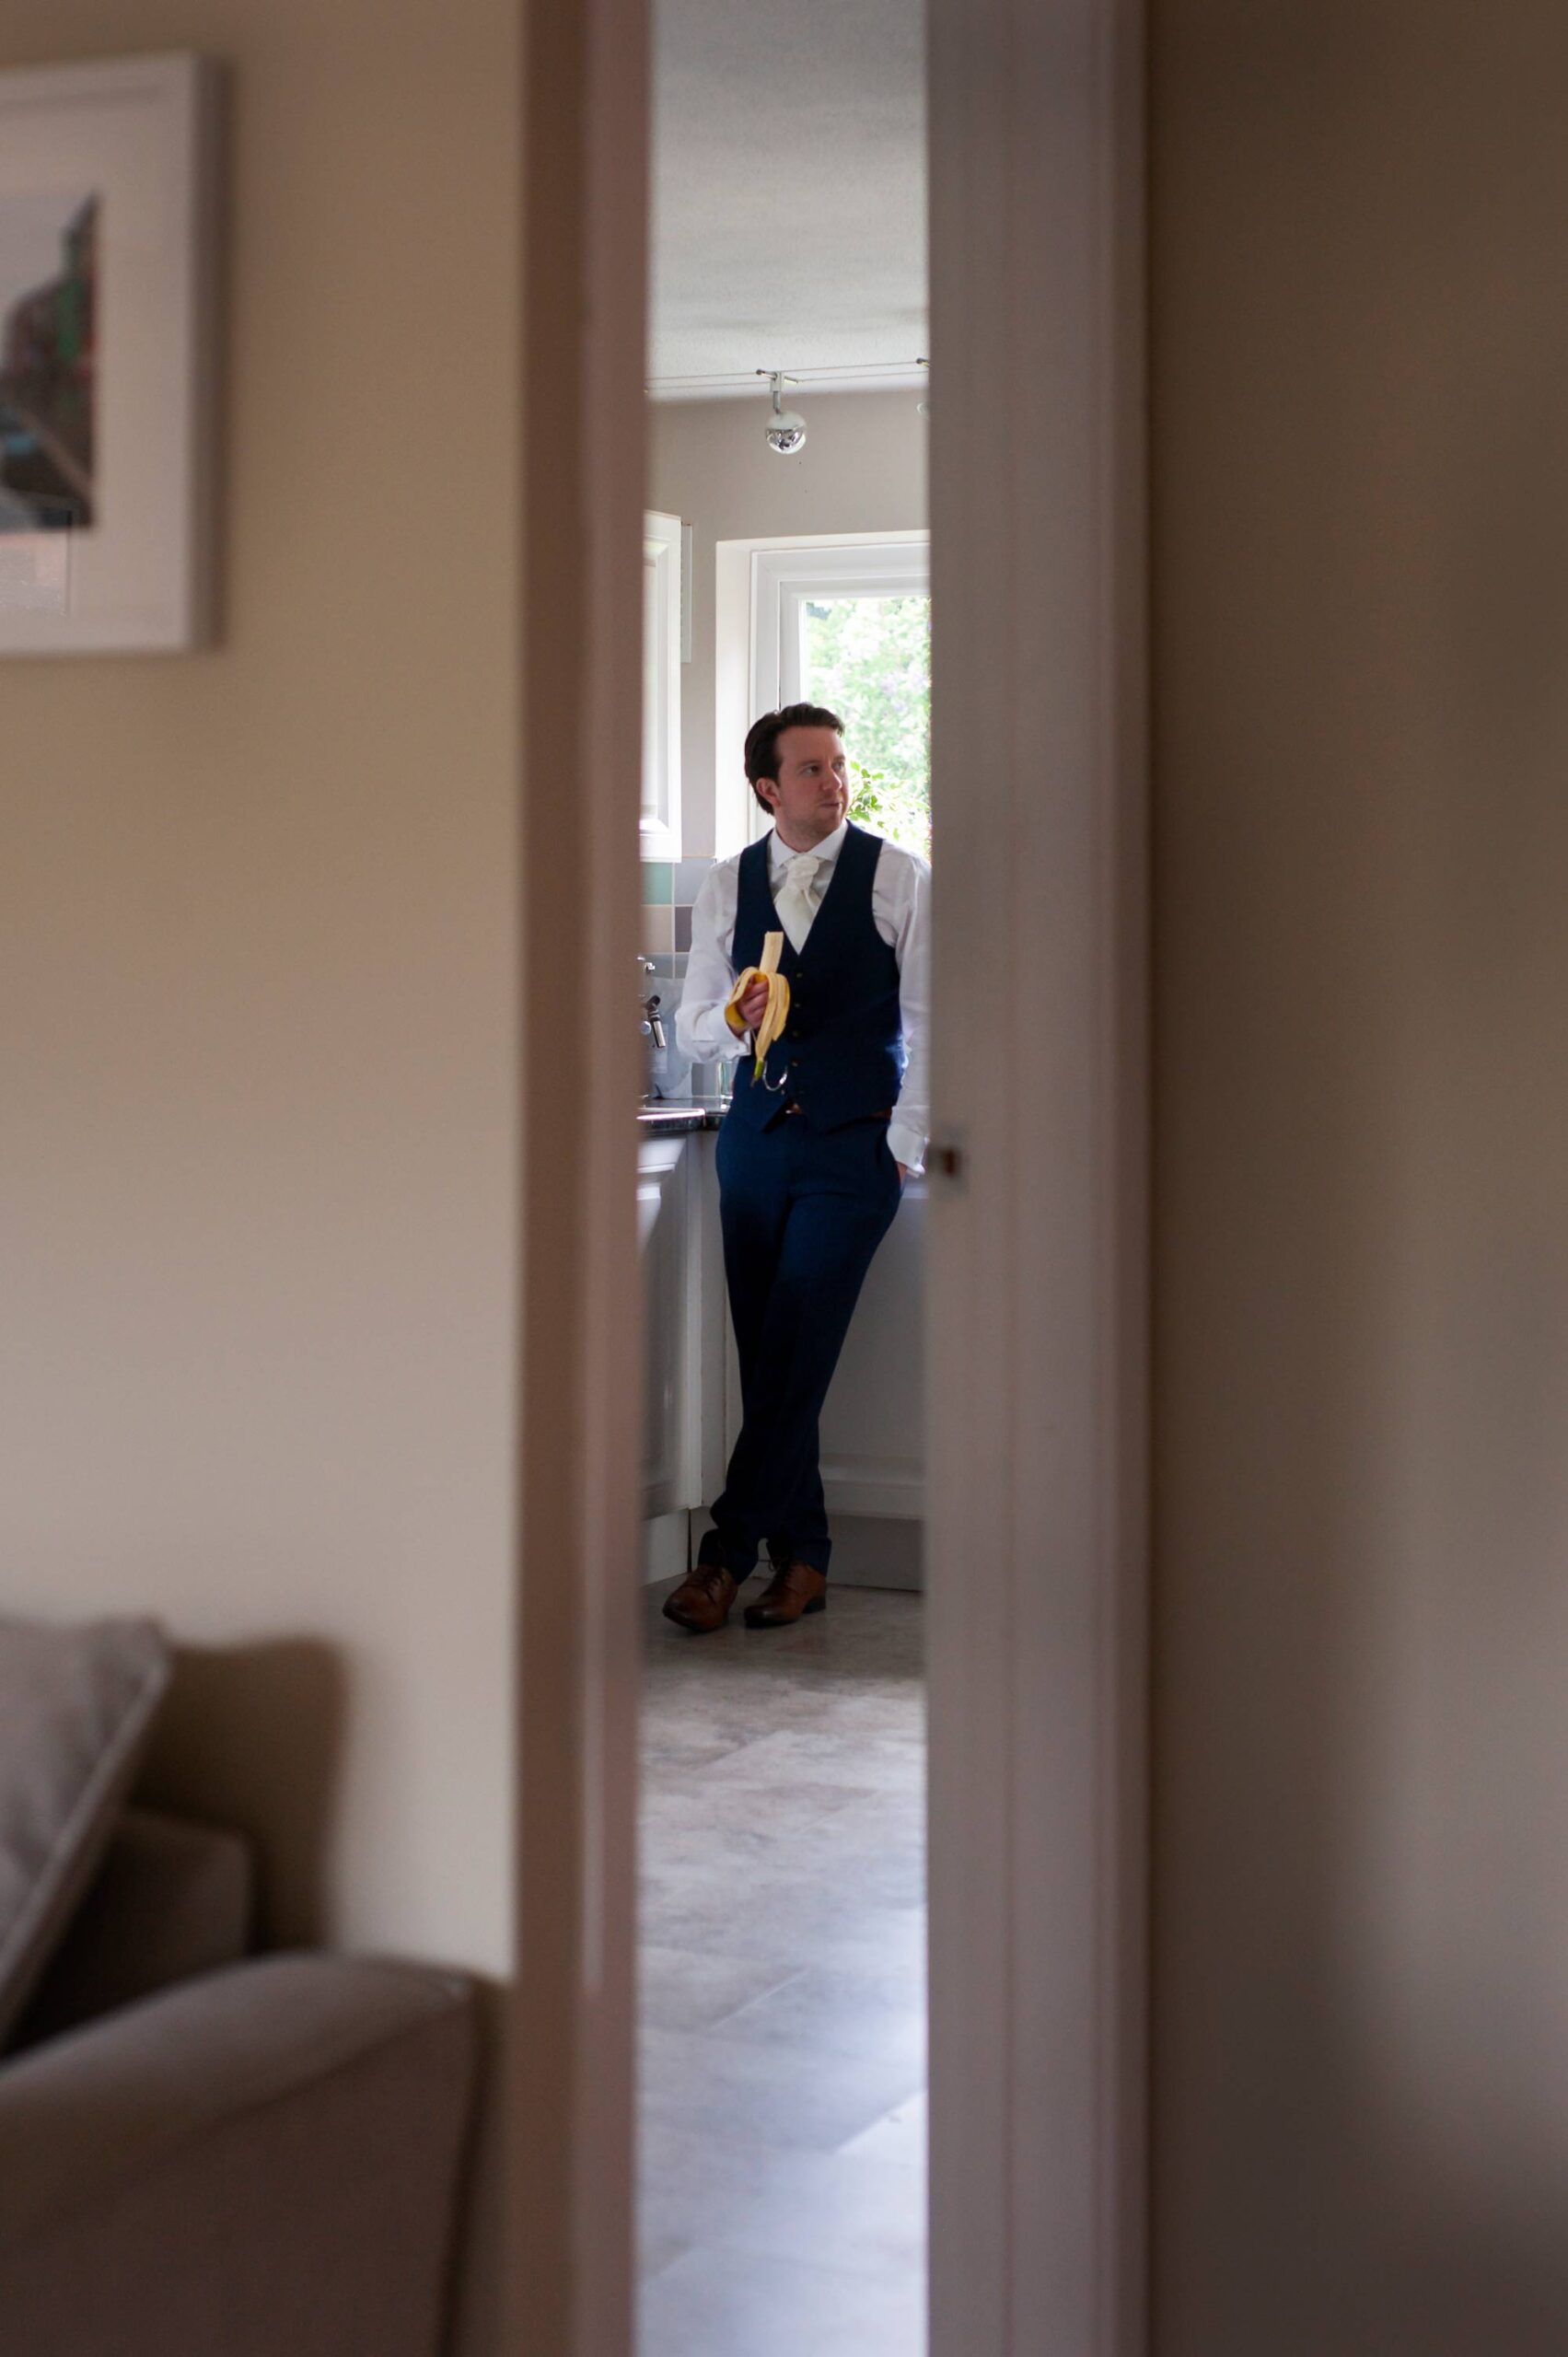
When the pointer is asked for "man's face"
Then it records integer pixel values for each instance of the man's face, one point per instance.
(810, 795)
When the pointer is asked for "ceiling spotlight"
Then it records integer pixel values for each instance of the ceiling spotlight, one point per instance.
(786, 429)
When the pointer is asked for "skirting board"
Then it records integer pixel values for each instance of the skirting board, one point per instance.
(869, 1551)
(875, 1550)
(667, 1548)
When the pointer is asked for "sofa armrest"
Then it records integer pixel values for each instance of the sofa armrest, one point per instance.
(265, 2159)
(171, 1899)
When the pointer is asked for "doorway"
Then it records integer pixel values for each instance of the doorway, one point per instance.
(1036, 1310)
(781, 1949)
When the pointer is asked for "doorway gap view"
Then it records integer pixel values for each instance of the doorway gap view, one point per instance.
(783, 999)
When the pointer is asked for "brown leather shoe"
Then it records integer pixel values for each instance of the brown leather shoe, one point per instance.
(702, 1602)
(799, 1588)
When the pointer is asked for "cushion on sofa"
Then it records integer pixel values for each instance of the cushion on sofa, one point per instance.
(77, 1707)
(170, 1899)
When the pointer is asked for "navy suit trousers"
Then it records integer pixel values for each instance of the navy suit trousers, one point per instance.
(802, 1214)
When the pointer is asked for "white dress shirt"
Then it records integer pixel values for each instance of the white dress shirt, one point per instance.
(900, 906)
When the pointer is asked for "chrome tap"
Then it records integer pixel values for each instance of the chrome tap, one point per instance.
(650, 1029)
(652, 1025)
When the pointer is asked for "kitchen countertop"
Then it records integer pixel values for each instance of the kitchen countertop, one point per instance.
(677, 1117)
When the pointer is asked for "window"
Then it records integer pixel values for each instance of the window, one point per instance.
(868, 659)
(846, 623)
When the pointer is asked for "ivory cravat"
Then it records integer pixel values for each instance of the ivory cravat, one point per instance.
(796, 897)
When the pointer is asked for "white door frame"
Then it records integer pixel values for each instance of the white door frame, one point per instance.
(1039, 1292)
(1036, 1371)
(569, 2028)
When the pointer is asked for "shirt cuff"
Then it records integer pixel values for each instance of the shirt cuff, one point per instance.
(906, 1144)
(713, 1039)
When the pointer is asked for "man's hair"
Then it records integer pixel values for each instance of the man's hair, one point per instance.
(763, 738)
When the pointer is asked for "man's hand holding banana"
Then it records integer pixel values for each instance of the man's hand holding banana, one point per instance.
(744, 1013)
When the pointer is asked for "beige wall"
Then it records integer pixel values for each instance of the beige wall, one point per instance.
(862, 470)
(257, 950)
(1361, 564)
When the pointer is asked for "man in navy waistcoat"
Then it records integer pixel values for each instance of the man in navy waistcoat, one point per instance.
(813, 1155)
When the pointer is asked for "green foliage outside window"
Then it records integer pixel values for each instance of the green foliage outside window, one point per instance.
(891, 807)
(869, 659)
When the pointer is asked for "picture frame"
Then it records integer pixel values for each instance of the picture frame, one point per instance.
(107, 253)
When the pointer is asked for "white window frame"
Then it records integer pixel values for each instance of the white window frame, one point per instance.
(664, 542)
(762, 591)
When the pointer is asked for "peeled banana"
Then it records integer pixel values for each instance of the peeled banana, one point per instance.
(777, 1013)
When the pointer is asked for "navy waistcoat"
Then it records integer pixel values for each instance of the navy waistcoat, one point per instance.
(841, 1058)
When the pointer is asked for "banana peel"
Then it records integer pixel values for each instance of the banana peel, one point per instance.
(777, 1015)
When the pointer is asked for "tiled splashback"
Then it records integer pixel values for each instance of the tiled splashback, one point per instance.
(669, 888)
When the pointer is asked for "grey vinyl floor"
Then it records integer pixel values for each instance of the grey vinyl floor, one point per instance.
(782, 2165)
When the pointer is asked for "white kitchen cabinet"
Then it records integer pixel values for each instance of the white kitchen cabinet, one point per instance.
(683, 1443)
(664, 1230)
(665, 564)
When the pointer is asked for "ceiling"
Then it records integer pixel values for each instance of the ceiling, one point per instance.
(789, 193)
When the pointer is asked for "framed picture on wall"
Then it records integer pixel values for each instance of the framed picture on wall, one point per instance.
(107, 254)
